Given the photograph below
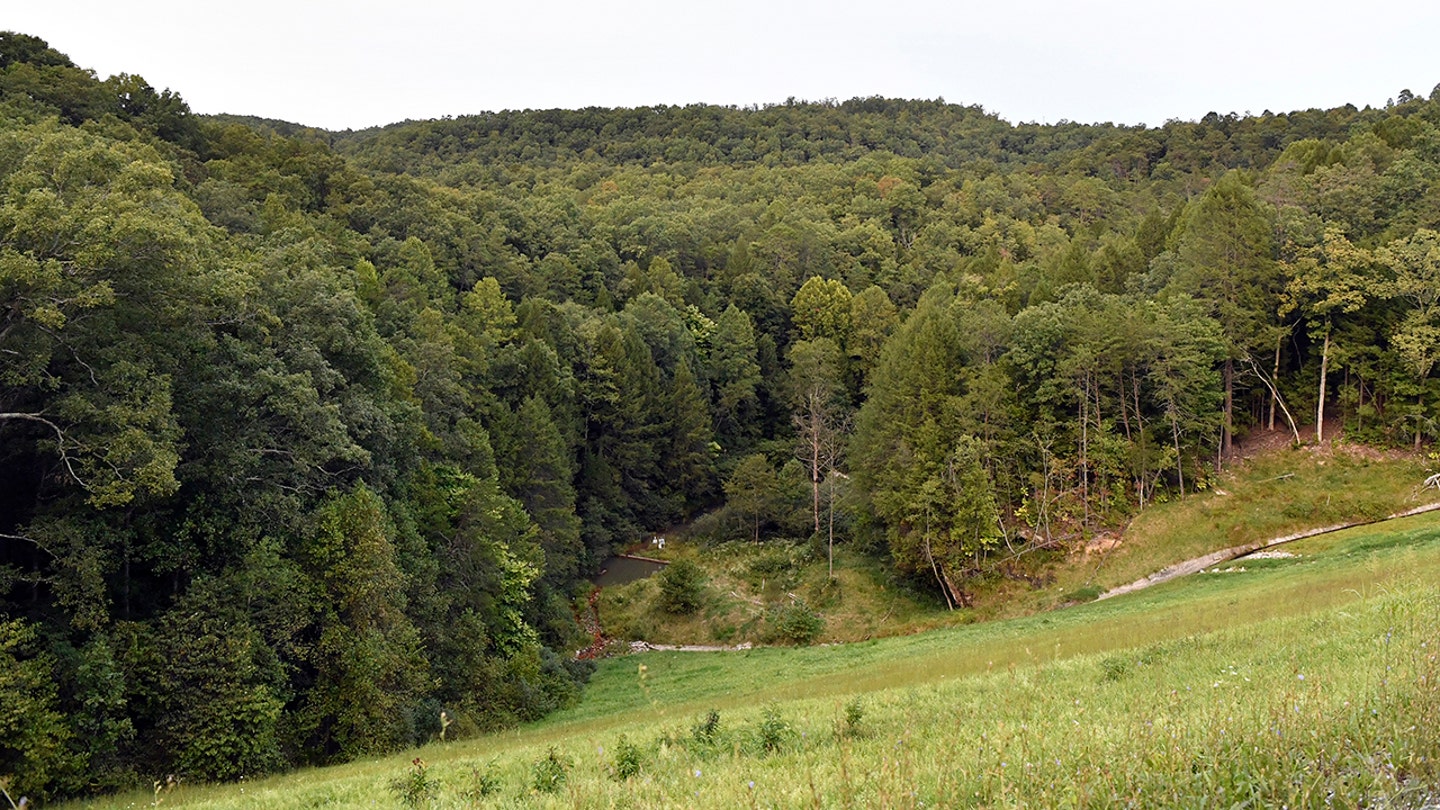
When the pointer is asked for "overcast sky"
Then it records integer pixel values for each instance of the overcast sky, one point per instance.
(361, 63)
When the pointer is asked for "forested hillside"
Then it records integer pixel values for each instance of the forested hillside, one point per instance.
(306, 437)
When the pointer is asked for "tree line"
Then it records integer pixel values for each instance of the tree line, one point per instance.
(307, 437)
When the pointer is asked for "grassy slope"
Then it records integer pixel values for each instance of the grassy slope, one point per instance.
(1271, 495)
(1188, 694)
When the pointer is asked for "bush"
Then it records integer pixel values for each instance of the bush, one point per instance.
(682, 587)
(854, 715)
(772, 565)
(483, 783)
(416, 788)
(548, 773)
(773, 731)
(628, 760)
(794, 623)
(707, 730)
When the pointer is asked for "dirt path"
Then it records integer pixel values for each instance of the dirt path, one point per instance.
(645, 646)
(1216, 557)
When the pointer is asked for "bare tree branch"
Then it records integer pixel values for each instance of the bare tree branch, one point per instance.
(32, 541)
(1260, 375)
(59, 442)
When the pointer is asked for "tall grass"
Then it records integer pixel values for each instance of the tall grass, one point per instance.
(1302, 682)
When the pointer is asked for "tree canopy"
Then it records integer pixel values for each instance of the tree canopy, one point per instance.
(306, 436)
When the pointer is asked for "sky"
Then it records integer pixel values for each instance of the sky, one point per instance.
(362, 63)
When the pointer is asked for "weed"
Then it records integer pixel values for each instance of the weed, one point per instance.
(773, 732)
(849, 726)
(416, 788)
(628, 760)
(1114, 667)
(483, 783)
(707, 730)
(548, 773)
(162, 789)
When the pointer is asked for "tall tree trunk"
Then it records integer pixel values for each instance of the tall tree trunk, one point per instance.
(1275, 375)
(1228, 429)
(1359, 400)
(815, 485)
(1179, 464)
(1320, 405)
(939, 578)
(830, 544)
(1419, 409)
(1124, 411)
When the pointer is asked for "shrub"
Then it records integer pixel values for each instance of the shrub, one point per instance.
(416, 788)
(854, 715)
(707, 730)
(1114, 667)
(773, 565)
(795, 623)
(628, 760)
(548, 772)
(483, 783)
(682, 587)
(772, 732)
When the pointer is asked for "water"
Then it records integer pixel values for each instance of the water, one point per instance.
(620, 570)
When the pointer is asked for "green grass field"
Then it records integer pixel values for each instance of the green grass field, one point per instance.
(1308, 681)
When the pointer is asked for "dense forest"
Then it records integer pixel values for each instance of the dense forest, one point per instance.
(308, 436)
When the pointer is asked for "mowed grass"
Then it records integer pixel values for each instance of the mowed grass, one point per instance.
(1309, 681)
(1271, 495)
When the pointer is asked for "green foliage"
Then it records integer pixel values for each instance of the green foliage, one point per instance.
(752, 492)
(794, 622)
(484, 783)
(548, 774)
(682, 587)
(220, 718)
(822, 310)
(34, 737)
(417, 788)
(773, 732)
(369, 659)
(851, 724)
(305, 435)
(628, 760)
(706, 732)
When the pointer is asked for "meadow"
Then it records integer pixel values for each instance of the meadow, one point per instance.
(1302, 681)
